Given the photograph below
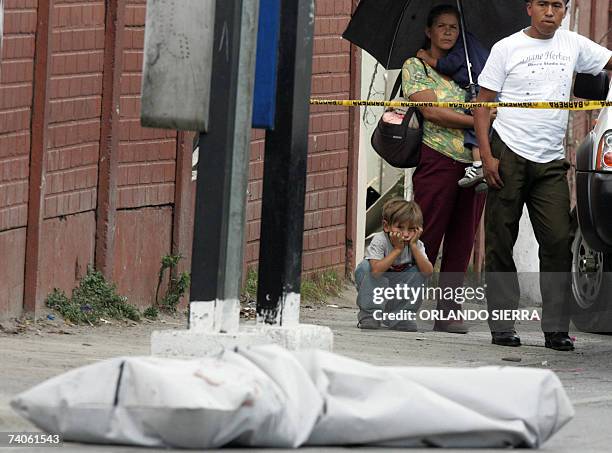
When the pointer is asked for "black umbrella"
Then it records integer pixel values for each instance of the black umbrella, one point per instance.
(394, 30)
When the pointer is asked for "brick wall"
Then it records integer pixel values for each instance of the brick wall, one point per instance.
(70, 149)
(75, 95)
(145, 175)
(146, 156)
(109, 191)
(326, 186)
(16, 78)
(16, 74)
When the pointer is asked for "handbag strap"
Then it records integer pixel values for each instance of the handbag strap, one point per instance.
(397, 88)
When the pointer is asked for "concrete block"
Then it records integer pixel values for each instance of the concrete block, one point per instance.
(214, 316)
(192, 343)
(289, 313)
(177, 70)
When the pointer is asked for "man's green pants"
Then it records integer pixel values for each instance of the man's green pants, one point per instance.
(543, 187)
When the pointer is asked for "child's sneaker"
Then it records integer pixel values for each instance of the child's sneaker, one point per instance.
(481, 187)
(473, 175)
(367, 321)
(404, 326)
(369, 324)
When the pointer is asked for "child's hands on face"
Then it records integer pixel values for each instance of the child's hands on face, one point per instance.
(403, 235)
(414, 235)
(397, 239)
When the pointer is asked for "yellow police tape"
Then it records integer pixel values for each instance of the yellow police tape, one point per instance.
(572, 105)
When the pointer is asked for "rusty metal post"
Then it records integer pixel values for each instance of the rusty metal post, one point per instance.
(108, 161)
(38, 146)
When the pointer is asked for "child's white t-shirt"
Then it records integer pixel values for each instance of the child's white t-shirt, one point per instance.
(521, 68)
(381, 246)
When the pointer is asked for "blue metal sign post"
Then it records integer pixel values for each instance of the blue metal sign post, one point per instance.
(264, 98)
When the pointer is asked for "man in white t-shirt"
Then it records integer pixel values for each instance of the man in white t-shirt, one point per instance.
(525, 163)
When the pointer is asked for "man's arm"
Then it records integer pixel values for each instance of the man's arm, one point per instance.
(609, 65)
(482, 123)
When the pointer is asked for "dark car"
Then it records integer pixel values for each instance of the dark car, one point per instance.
(592, 244)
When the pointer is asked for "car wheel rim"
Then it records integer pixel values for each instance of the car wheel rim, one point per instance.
(587, 273)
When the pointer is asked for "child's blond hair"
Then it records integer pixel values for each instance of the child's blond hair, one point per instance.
(399, 211)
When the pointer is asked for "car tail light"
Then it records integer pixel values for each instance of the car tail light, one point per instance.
(607, 159)
(604, 153)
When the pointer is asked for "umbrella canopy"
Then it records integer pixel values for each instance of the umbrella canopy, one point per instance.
(394, 30)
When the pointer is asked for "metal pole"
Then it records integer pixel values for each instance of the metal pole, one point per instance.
(282, 224)
(465, 48)
(223, 170)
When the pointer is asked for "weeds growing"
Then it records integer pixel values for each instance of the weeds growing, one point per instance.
(317, 287)
(94, 299)
(177, 284)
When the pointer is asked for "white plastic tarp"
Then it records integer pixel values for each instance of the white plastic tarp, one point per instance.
(269, 397)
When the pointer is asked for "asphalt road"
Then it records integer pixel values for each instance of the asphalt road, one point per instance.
(50, 348)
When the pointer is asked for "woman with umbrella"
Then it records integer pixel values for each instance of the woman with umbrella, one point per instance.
(391, 30)
(449, 212)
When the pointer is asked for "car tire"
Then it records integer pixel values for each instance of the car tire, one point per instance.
(591, 295)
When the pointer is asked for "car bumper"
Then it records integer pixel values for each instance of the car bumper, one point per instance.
(594, 207)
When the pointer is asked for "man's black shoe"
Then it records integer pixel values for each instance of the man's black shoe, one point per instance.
(559, 341)
(505, 338)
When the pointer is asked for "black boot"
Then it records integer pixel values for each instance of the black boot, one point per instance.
(509, 338)
(559, 341)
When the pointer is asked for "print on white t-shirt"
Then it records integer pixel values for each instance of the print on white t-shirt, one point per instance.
(521, 68)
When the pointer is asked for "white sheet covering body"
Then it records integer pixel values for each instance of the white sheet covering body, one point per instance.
(269, 397)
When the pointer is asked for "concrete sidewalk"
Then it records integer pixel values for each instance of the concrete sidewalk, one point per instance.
(34, 356)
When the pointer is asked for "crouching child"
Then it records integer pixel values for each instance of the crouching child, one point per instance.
(395, 261)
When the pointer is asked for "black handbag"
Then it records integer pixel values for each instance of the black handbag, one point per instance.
(400, 144)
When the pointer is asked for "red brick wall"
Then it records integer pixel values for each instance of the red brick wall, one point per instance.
(146, 156)
(146, 224)
(71, 151)
(326, 186)
(145, 176)
(16, 76)
(77, 46)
